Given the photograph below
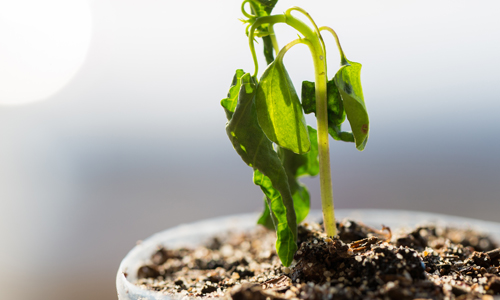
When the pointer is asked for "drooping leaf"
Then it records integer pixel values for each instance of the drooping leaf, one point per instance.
(298, 165)
(286, 244)
(335, 109)
(279, 111)
(230, 102)
(257, 151)
(348, 81)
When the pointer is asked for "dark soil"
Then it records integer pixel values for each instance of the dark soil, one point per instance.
(362, 263)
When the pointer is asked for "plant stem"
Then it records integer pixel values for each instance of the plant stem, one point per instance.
(251, 8)
(325, 179)
(270, 45)
(289, 46)
(272, 35)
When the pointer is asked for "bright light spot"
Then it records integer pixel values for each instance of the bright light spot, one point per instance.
(42, 46)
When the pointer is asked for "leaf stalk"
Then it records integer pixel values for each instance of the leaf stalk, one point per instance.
(343, 59)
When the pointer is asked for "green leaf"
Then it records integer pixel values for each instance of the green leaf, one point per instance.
(279, 111)
(348, 81)
(230, 102)
(297, 165)
(257, 151)
(309, 97)
(335, 109)
(286, 244)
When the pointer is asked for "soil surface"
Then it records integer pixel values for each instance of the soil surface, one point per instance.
(426, 262)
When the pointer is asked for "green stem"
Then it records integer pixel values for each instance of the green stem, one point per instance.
(325, 179)
(268, 49)
(273, 39)
(281, 53)
(250, 16)
(270, 45)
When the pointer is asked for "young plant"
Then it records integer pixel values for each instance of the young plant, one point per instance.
(267, 128)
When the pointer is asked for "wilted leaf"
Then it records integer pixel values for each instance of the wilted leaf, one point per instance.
(348, 81)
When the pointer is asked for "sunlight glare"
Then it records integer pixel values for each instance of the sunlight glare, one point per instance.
(42, 46)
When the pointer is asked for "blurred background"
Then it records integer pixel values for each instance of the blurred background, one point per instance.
(111, 127)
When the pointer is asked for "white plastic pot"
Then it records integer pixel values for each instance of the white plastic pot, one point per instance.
(193, 234)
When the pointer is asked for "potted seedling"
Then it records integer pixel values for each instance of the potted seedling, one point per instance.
(348, 260)
(267, 128)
